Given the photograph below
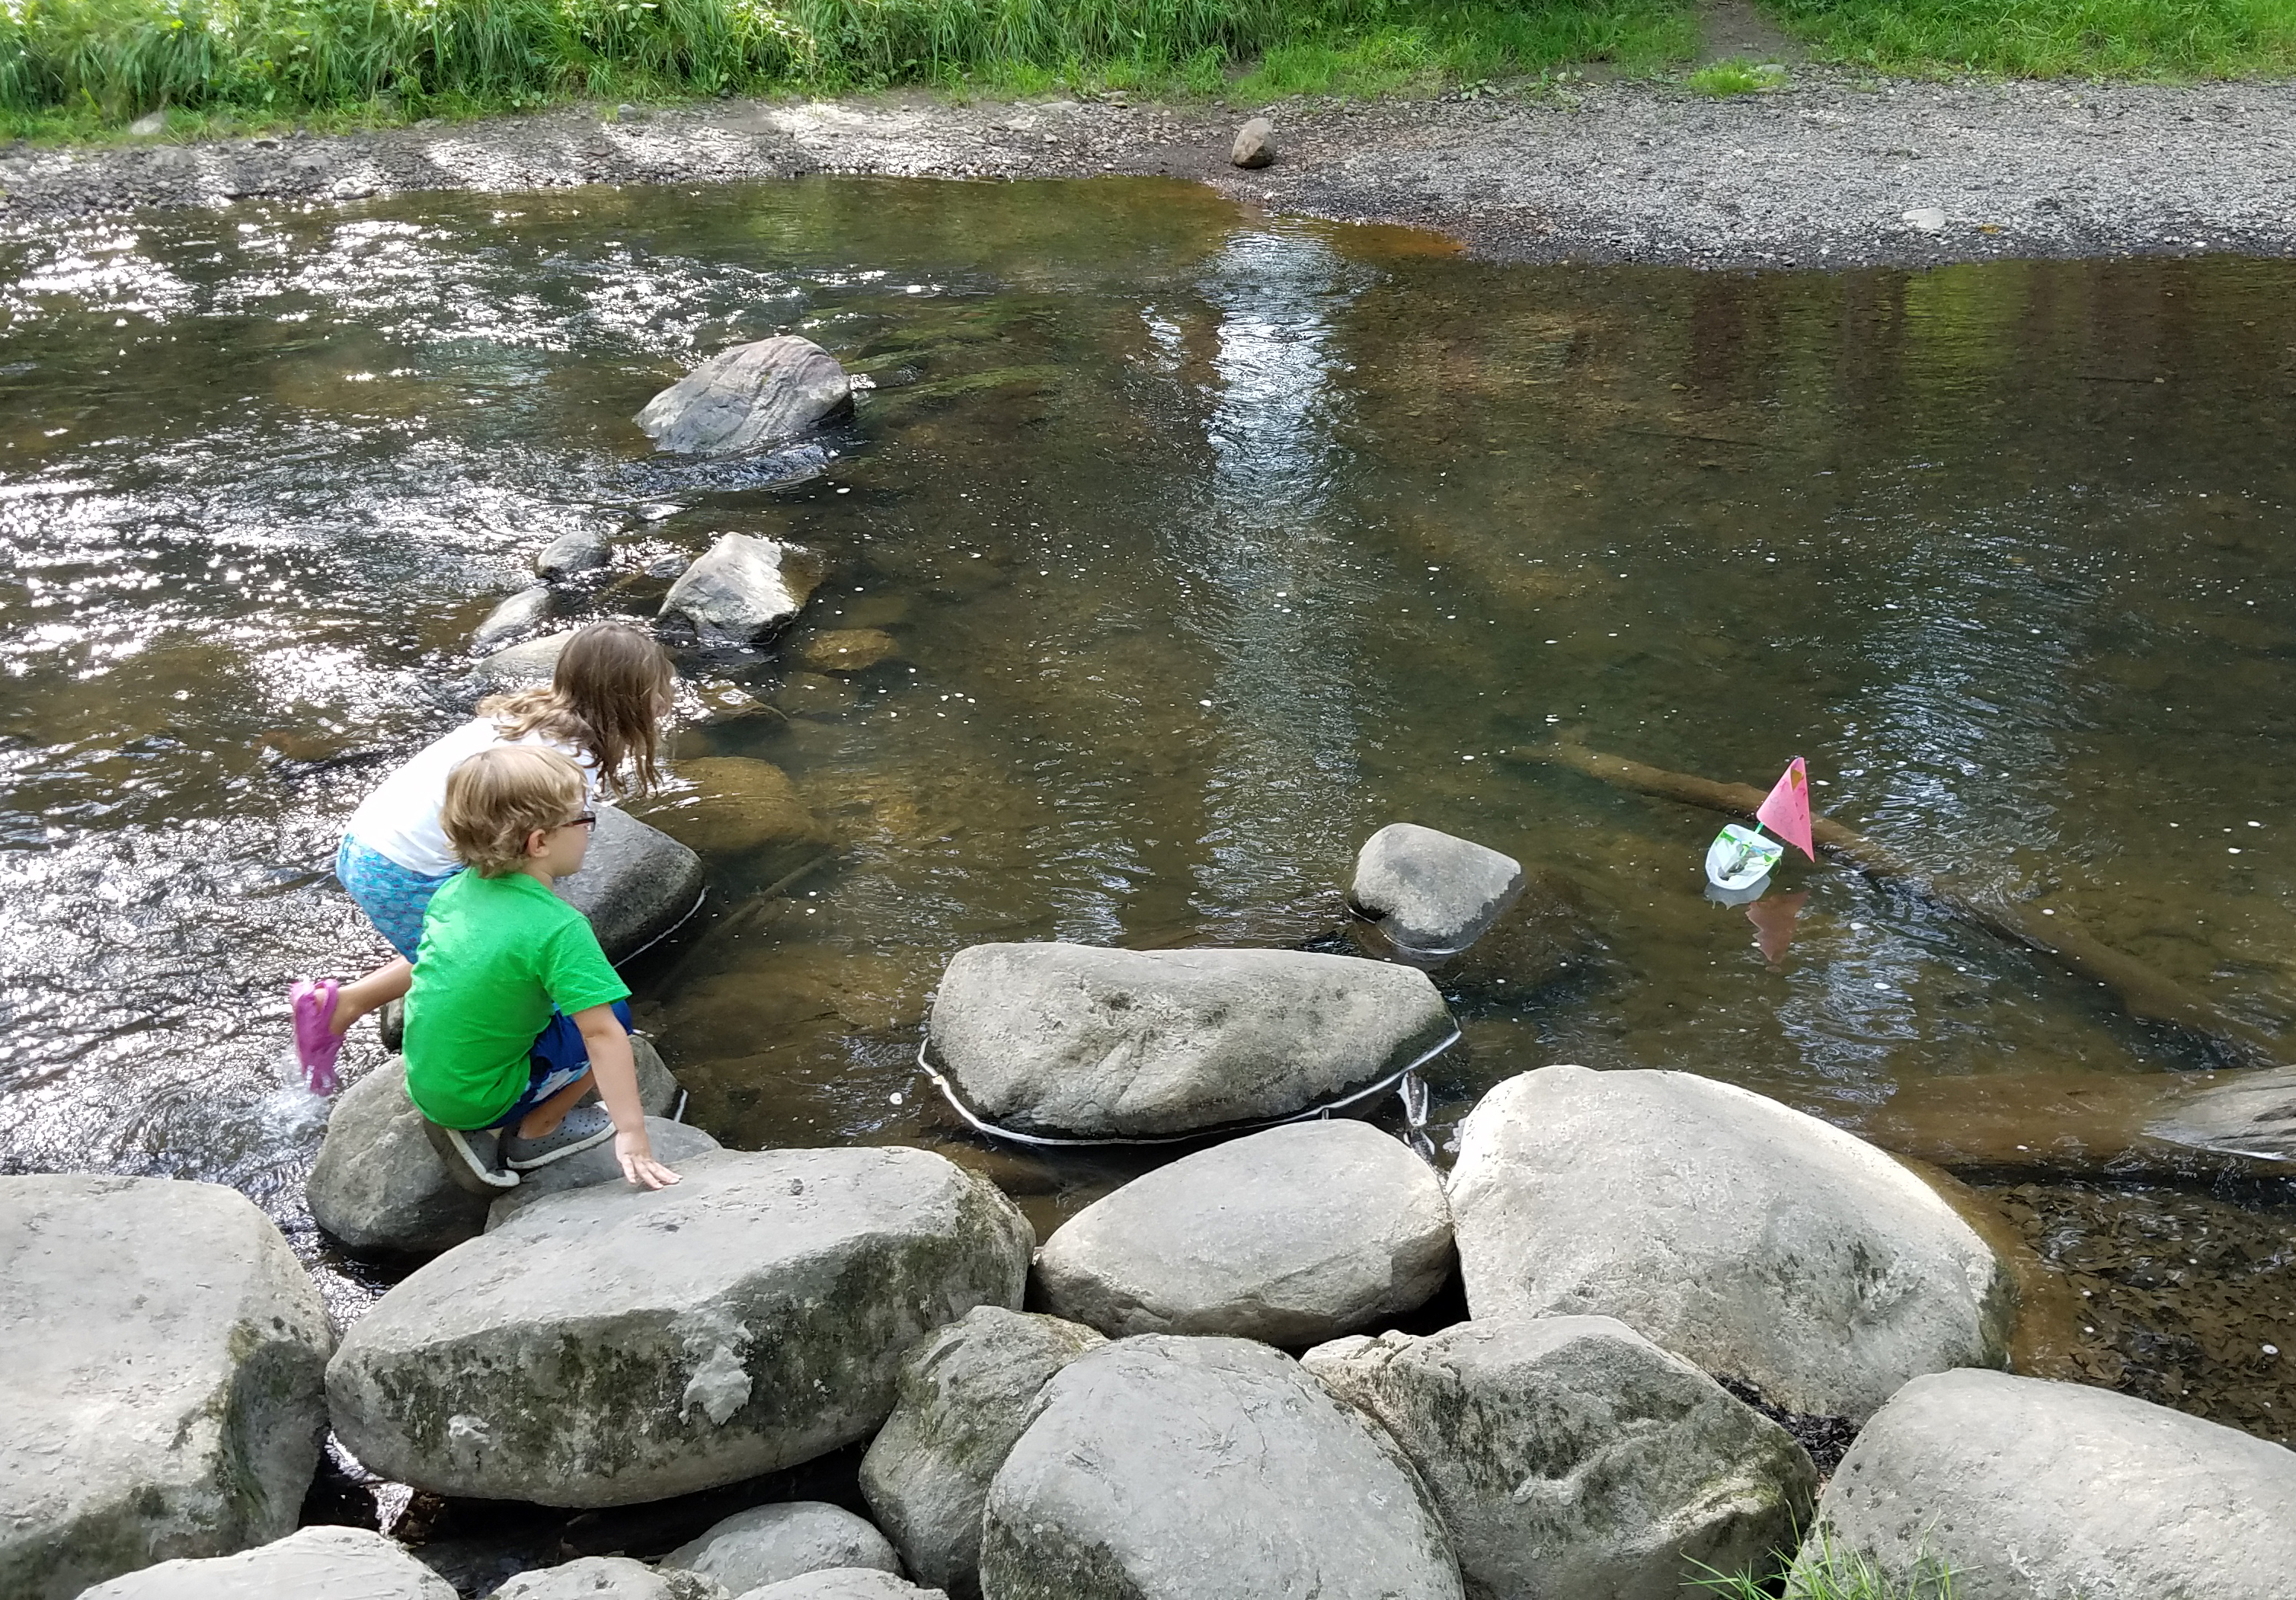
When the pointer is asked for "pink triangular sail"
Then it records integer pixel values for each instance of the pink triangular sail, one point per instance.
(1786, 813)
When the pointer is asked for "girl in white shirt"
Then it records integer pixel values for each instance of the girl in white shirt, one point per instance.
(603, 708)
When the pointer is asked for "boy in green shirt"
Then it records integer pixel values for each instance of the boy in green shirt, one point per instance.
(515, 1014)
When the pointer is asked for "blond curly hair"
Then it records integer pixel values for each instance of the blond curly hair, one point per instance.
(499, 798)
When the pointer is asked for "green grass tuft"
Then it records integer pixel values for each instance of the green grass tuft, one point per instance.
(1831, 1572)
(2054, 39)
(1720, 80)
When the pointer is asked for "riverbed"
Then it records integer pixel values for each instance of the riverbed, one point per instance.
(1211, 542)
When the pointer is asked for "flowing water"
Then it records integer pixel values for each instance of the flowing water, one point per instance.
(1211, 543)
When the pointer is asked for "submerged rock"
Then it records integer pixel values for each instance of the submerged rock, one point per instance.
(2026, 1489)
(163, 1350)
(769, 1543)
(1761, 1244)
(967, 1392)
(749, 397)
(571, 554)
(522, 613)
(743, 588)
(849, 650)
(605, 1347)
(1255, 143)
(636, 883)
(1074, 1039)
(1573, 1459)
(311, 1563)
(1291, 1235)
(1164, 1468)
(610, 1577)
(521, 665)
(1430, 894)
(379, 1188)
(738, 807)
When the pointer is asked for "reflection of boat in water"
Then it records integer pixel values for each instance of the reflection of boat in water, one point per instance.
(1738, 864)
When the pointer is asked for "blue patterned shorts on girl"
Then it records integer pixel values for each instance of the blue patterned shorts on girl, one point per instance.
(393, 898)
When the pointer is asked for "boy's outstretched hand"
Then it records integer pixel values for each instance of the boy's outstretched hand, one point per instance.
(636, 1153)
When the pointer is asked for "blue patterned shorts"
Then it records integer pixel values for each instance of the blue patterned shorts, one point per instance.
(393, 898)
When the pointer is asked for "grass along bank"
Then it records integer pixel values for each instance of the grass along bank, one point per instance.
(2166, 39)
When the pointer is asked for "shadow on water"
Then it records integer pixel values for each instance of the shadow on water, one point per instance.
(1204, 546)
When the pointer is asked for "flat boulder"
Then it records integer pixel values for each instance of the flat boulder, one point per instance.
(310, 1563)
(636, 883)
(521, 665)
(1762, 1244)
(1293, 1234)
(674, 1145)
(378, 1187)
(849, 650)
(609, 1577)
(750, 396)
(1164, 1468)
(768, 1544)
(164, 1351)
(1431, 894)
(604, 1346)
(1078, 1041)
(966, 1393)
(2027, 1489)
(1573, 1459)
(522, 613)
(844, 1583)
(738, 807)
(741, 589)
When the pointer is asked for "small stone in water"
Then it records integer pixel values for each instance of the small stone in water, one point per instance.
(2272, 1350)
(895, 1097)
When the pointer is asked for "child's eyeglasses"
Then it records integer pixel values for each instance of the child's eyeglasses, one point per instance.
(587, 820)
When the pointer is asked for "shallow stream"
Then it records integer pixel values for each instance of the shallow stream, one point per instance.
(1211, 542)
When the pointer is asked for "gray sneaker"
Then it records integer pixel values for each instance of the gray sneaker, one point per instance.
(585, 1125)
(473, 1159)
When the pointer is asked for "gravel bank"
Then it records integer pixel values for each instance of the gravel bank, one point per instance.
(1822, 172)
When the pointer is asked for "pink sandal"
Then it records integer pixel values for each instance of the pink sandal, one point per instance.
(317, 1043)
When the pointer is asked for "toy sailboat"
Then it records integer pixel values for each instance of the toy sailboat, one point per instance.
(1738, 862)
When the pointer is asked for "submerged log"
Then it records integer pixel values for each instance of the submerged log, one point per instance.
(2146, 994)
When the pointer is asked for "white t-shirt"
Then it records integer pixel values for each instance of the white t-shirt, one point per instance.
(400, 818)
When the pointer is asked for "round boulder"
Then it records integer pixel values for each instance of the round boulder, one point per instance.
(609, 1577)
(1573, 1459)
(1763, 1245)
(849, 650)
(1431, 894)
(523, 665)
(607, 1346)
(1255, 144)
(743, 588)
(749, 397)
(522, 613)
(163, 1350)
(1162, 1468)
(307, 1564)
(571, 554)
(967, 1392)
(1073, 1039)
(1291, 1235)
(768, 1544)
(2027, 1489)
(636, 883)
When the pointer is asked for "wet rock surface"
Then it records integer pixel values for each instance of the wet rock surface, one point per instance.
(769, 1543)
(571, 554)
(605, 1347)
(1077, 1040)
(738, 807)
(521, 613)
(967, 1392)
(523, 665)
(1431, 894)
(751, 396)
(1290, 1235)
(609, 1577)
(164, 1351)
(1572, 1459)
(673, 1143)
(2025, 1488)
(1762, 1244)
(849, 650)
(636, 883)
(1821, 171)
(1162, 1468)
(742, 588)
(311, 1563)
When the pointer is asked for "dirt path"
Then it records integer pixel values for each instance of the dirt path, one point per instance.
(1824, 172)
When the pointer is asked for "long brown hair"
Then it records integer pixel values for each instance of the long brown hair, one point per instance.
(606, 699)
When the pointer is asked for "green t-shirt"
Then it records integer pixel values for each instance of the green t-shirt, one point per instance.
(496, 954)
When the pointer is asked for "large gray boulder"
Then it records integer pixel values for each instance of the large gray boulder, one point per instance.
(379, 1189)
(2027, 1489)
(524, 665)
(606, 1346)
(1074, 1039)
(741, 589)
(843, 1583)
(311, 1563)
(967, 1392)
(163, 1352)
(636, 883)
(573, 553)
(521, 613)
(1573, 1459)
(768, 1544)
(1293, 1235)
(1430, 894)
(749, 397)
(674, 1145)
(610, 1577)
(1763, 1245)
(1163, 1468)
